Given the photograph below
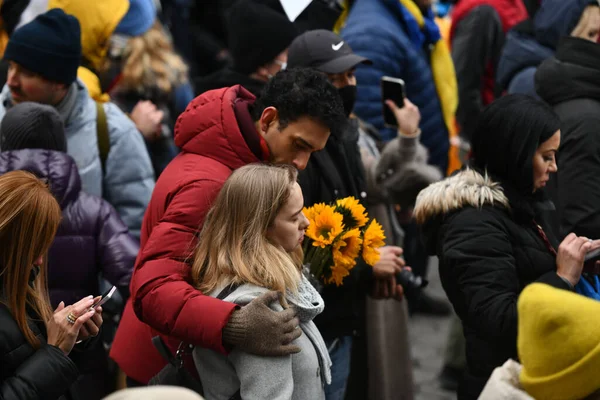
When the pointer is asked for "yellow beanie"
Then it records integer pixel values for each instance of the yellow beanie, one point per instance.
(558, 343)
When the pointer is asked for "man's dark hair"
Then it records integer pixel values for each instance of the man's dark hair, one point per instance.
(302, 92)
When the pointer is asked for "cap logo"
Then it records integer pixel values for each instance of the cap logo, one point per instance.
(338, 46)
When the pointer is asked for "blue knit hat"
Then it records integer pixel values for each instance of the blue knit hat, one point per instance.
(50, 46)
(139, 18)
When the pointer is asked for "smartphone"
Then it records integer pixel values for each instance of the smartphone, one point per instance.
(106, 296)
(589, 262)
(391, 89)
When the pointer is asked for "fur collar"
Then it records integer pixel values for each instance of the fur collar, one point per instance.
(467, 188)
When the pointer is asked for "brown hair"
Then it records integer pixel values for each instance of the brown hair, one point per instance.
(233, 246)
(150, 61)
(29, 218)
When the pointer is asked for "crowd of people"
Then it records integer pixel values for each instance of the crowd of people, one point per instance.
(169, 148)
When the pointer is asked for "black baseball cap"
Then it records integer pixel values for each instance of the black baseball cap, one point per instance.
(324, 51)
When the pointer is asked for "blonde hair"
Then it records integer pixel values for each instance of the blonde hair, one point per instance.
(150, 61)
(29, 218)
(233, 246)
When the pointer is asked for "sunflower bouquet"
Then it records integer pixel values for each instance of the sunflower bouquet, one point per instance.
(337, 235)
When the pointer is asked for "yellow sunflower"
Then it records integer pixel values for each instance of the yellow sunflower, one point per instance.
(325, 227)
(347, 248)
(338, 273)
(355, 215)
(312, 212)
(372, 240)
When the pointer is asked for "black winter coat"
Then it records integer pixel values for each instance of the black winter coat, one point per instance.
(334, 173)
(489, 247)
(570, 82)
(29, 374)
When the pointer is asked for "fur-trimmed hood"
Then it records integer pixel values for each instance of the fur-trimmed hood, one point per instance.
(467, 188)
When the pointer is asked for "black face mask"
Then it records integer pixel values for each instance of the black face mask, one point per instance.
(348, 95)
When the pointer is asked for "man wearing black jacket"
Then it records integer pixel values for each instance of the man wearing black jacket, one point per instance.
(570, 82)
(334, 173)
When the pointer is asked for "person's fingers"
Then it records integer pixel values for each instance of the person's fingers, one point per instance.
(60, 307)
(397, 251)
(266, 299)
(290, 337)
(287, 350)
(82, 306)
(570, 238)
(291, 325)
(91, 327)
(82, 319)
(97, 318)
(409, 103)
(585, 248)
(286, 316)
(407, 268)
(392, 106)
(595, 244)
(398, 263)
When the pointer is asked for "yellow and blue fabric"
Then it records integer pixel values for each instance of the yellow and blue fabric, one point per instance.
(589, 289)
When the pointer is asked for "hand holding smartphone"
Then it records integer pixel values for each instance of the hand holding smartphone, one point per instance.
(391, 89)
(106, 296)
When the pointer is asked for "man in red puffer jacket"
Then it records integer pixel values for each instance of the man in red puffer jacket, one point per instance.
(221, 130)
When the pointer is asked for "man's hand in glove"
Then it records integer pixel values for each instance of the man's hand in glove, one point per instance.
(257, 329)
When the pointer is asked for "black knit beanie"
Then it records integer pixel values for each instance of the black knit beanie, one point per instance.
(32, 126)
(50, 46)
(257, 34)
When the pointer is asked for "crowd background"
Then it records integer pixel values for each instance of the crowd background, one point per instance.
(131, 113)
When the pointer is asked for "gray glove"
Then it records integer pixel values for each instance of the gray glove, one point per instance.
(257, 329)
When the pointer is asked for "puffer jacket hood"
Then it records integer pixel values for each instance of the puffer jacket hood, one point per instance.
(208, 127)
(466, 188)
(57, 168)
(91, 237)
(98, 20)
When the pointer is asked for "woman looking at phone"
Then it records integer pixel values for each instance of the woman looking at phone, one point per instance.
(251, 244)
(35, 341)
(488, 226)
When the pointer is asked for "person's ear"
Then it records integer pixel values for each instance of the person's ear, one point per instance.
(269, 116)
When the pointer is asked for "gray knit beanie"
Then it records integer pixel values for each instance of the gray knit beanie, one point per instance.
(32, 126)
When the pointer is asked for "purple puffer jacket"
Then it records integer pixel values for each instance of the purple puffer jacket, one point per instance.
(91, 238)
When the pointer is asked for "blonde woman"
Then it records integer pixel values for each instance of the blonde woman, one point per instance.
(148, 79)
(251, 244)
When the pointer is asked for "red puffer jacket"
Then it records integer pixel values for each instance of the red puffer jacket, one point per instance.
(161, 295)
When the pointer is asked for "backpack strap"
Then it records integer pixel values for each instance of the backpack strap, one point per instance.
(102, 134)
(228, 290)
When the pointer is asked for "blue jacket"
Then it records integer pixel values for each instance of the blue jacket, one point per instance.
(129, 178)
(376, 29)
(526, 48)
